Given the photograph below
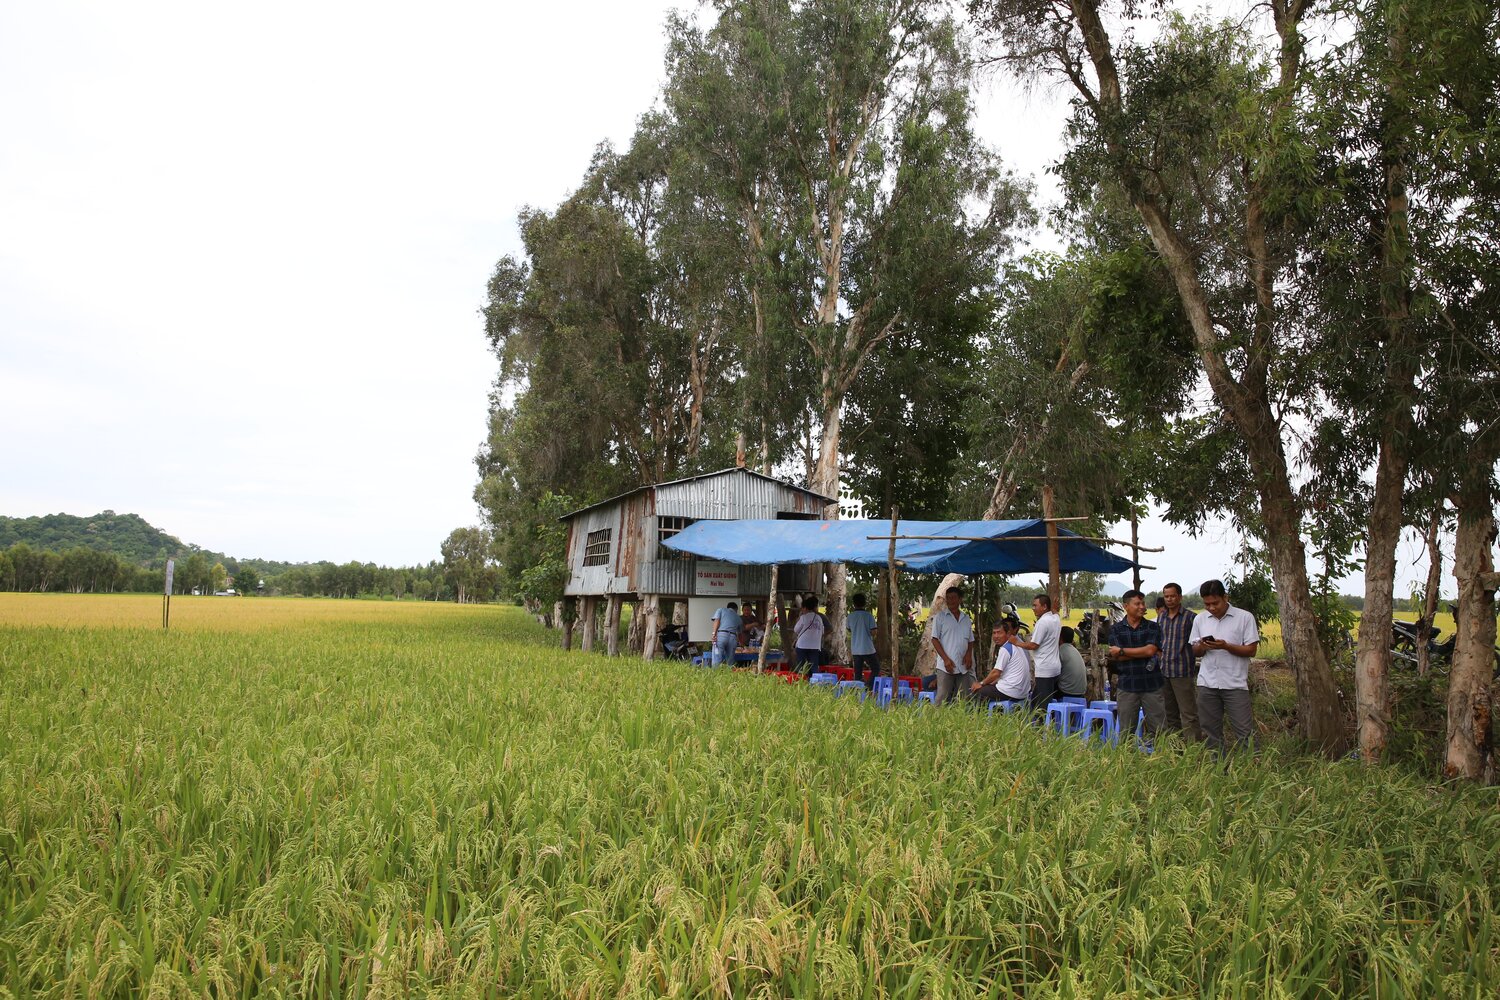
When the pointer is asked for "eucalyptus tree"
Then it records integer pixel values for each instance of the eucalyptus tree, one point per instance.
(616, 341)
(1399, 243)
(865, 175)
(1199, 132)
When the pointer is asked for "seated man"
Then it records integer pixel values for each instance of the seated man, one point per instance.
(1074, 680)
(1010, 680)
(751, 630)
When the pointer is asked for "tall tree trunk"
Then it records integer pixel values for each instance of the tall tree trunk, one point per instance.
(1249, 409)
(1372, 682)
(1470, 739)
(826, 481)
(1372, 668)
(1428, 613)
(1244, 400)
(1317, 695)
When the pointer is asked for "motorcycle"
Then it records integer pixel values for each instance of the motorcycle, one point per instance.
(1406, 641)
(1112, 613)
(675, 644)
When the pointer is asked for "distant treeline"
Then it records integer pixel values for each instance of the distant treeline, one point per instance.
(113, 553)
(81, 570)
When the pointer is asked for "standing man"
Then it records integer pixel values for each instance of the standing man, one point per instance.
(1178, 667)
(1011, 678)
(953, 640)
(809, 633)
(726, 625)
(1044, 638)
(1134, 644)
(1226, 637)
(861, 626)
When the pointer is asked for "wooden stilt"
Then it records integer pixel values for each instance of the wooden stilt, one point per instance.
(590, 622)
(612, 625)
(650, 626)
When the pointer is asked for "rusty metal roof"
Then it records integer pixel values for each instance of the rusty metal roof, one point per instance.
(688, 479)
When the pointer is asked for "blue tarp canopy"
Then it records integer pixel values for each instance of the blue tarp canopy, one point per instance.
(968, 547)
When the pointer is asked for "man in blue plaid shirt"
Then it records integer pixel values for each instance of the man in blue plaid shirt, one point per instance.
(1133, 645)
(1178, 667)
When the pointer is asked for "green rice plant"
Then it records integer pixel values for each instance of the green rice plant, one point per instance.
(396, 802)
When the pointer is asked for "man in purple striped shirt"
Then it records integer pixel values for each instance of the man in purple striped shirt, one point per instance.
(1177, 664)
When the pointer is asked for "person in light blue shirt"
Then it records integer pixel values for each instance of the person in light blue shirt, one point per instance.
(861, 625)
(726, 626)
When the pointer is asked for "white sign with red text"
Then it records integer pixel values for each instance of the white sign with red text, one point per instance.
(716, 579)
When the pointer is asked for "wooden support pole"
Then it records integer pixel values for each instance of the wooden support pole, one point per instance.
(1054, 562)
(1006, 538)
(650, 626)
(612, 625)
(765, 624)
(1135, 551)
(590, 620)
(893, 601)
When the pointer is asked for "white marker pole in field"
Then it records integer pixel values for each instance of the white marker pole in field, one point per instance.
(166, 597)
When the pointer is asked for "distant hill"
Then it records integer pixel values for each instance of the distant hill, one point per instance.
(129, 536)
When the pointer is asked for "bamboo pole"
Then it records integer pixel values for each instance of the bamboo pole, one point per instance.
(1009, 538)
(765, 625)
(1135, 551)
(1054, 561)
(893, 626)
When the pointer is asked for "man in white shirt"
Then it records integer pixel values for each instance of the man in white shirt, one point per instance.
(861, 626)
(1010, 680)
(1044, 638)
(1225, 638)
(953, 641)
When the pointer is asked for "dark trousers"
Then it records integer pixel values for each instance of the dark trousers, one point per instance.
(1132, 704)
(863, 662)
(808, 658)
(1181, 697)
(1043, 691)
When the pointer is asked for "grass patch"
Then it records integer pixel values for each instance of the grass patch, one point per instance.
(382, 798)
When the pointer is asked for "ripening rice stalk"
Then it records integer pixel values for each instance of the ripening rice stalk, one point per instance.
(319, 798)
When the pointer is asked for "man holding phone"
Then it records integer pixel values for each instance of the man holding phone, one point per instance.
(1226, 638)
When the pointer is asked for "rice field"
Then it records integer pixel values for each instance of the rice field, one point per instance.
(359, 799)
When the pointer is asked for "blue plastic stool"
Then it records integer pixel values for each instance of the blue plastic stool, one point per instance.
(1111, 705)
(928, 696)
(824, 680)
(1006, 706)
(1111, 731)
(849, 686)
(903, 691)
(1064, 712)
(1069, 699)
(884, 690)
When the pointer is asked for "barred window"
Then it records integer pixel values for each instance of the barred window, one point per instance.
(666, 527)
(596, 547)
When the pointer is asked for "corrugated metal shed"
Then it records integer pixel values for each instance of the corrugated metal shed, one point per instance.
(614, 546)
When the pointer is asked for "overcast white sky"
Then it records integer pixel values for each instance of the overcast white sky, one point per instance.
(242, 250)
